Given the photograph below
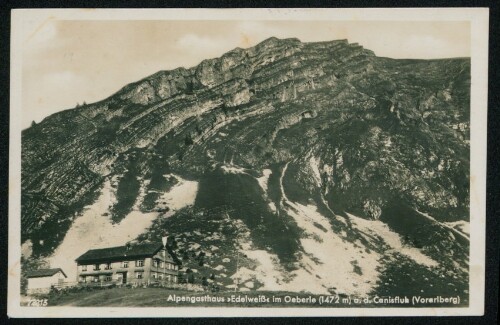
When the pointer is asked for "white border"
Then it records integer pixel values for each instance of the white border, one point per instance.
(478, 18)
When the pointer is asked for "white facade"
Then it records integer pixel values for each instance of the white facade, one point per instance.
(43, 284)
(129, 270)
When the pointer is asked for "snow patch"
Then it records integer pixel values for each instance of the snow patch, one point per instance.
(328, 262)
(283, 194)
(314, 164)
(27, 249)
(232, 169)
(447, 225)
(249, 284)
(263, 180)
(92, 230)
(267, 272)
(194, 246)
(141, 194)
(462, 226)
(391, 238)
(181, 195)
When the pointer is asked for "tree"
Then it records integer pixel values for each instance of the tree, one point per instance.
(188, 140)
(190, 276)
(180, 278)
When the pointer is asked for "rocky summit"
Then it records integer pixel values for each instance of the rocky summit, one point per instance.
(316, 167)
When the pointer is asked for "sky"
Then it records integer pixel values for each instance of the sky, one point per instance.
(65, 62)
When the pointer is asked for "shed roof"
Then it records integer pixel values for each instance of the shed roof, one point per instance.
(41, 273)
(120, 252)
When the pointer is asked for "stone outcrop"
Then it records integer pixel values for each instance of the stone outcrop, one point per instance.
(356, 132)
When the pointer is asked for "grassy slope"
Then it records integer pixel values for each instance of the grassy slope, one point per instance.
(373, 172)
(159, 297)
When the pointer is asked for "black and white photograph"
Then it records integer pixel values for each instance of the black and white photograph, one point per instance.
(298, 161)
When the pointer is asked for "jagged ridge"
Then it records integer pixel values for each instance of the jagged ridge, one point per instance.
(337, 126)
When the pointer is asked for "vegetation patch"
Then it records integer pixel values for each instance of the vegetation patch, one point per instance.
(242, 197)
(127, 191)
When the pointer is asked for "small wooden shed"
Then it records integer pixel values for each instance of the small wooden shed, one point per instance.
(40, 281)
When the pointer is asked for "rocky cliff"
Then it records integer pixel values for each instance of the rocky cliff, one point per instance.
(308, 150)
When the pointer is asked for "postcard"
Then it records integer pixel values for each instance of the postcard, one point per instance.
(253, 162)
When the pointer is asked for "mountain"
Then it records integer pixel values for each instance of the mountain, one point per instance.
(327, 168)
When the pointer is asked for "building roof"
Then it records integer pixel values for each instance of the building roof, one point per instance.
(120, 252)
(41, 273)
(86, 273)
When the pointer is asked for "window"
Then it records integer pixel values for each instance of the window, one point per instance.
(160, 276)
(155, 263)
(96, 267)
(84, 267)
(139, 263)
(108, 266)
(138, 275)
(108, 278)
(96, 278)
(153, 275)
(161, 264)
(125, 264)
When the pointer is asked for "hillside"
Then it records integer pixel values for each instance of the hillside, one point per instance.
(160, 297)
(325, 167)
